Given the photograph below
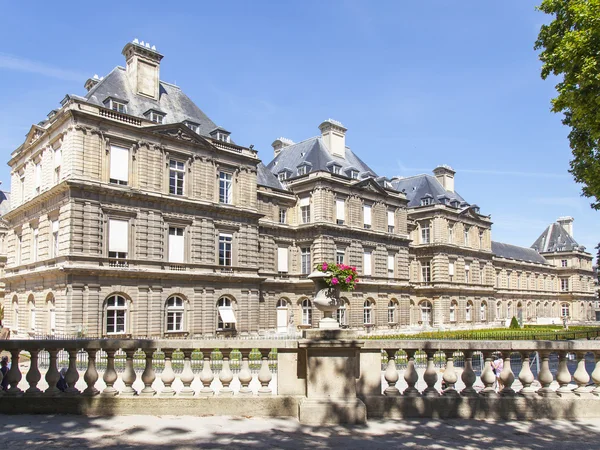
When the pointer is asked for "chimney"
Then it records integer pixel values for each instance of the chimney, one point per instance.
(567, 223)
(280, 143)
(91, 82)
(143, 68)
(334, 137)
(445, 175)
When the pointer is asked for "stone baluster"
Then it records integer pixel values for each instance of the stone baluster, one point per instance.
(391, 374)
(430, 376)
(168, 376)
(52, 375)
(264, 375)
(14, 375)
(526, 377)
(206, 376)
(187, 376)
(110, 375)
(72, 375)
(411, 376)
(245, 376)
(545, 376)
(488, 378)
(563, 376)
(507, 377)
(129, 375)
(468, 376)
(450, 377)
(148, 376)
(581, 377)
(226, 375)
(91, 375)
(33, 375)
(596, 374)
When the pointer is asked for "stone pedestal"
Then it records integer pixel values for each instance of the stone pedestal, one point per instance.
(332, 368)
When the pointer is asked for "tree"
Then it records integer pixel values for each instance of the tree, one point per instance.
(570, 49)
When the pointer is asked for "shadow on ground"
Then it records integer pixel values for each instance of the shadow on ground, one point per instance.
(185, 432)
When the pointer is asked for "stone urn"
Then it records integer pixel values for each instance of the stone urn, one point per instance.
(327, 300)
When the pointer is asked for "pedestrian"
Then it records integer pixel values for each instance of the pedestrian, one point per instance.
(4, 370)
(62, 383)
(497, 367)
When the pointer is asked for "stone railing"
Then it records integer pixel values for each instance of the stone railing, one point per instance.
(327, 377)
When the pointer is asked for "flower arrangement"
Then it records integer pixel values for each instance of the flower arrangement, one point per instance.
(340, 275)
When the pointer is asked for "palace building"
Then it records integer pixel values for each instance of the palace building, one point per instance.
(131, 213)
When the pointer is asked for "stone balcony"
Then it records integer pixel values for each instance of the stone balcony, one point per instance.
(320, 379)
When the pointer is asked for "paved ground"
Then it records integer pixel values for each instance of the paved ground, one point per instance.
(168, 432)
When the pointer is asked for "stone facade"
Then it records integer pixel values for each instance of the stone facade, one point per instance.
(133, 214)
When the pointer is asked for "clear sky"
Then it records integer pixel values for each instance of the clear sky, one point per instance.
(417, 84)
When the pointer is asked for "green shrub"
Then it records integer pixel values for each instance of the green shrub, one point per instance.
(514, 324)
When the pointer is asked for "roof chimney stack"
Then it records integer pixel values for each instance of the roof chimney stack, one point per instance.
(445, 175)
(567, 223)
(280, 143)
(334, 137)
(143, 68)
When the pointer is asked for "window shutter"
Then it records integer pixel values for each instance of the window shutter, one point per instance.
(282, 259)
(119, 163)
(451, 269)
(57, 157)
(305, 201)
(391, 218)
(340, 209)
(118, 236)
(390, 262)
(367, 214)
(176, 246)
(367, 263)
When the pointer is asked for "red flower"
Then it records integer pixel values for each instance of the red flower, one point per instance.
(334, 281)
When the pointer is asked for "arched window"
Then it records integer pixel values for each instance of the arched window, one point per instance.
(306, 312)
(175, 310)
(116, 314)
(564, 310)
(483, 312)
(392, 310)
(368, 312)
(453, 311)
(498, 310)
(468, 311)
(341, 314)
(425, 312)
(15, 311)
(283, 317)
(31, 309)
(226, 316)
(51, 308)
(509, 310)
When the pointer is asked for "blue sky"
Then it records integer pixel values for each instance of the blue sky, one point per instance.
(417, 84)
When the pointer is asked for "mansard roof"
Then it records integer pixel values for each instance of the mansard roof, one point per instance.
(4, 202)
(556, 239)
(509, 251)
(172, 102)
(314, 152)
(420, 186)
(264, 177)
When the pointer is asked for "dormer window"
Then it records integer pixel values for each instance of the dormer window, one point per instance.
(155, 116)
(220, 134)
(426, 201)
(334, 168)
(302, 170)
(116, 105)
(455, 203)
(192, 126)
(223, 137)
(354, 174)
(282, 176)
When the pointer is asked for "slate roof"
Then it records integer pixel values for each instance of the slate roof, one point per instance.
(419, 186)
(176, 106)
(515, 252)
(4, 202)
(314, 153)
(265, 177)
(556, 239)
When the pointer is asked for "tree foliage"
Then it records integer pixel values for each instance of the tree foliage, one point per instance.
(570, 49)
(514, 323)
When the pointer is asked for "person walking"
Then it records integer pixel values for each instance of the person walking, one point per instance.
(497, 367)
(4, 370)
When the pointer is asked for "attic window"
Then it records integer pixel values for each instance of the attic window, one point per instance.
(116, 105)
(455, 203)
(335, 168)
(426, 201)
(223, 136)
(354, 174)
(192, 126)
(302, 170)
(476, 209)
(155, 117)
(282, 176)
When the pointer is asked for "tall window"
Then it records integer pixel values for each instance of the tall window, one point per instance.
(57, 164)
(282, 259)
(498, 310)
(22, 186)
(367, 263)
(451, 234)
(368, 312)
(452, 311)
(392, 307)
(176, 244)
(225, 190)
(466, 236)
(119, 165)
(305, 265)
(116, 314)
(509, 310)
(339, 256)
(31, 307)
(367, 216)
(341, 314)
(306, 312)
(391, 221)
(390, 265)
(118, 241)
(34, 244)
(468, 311)
(175, 310)
(426, 312)
(19, 249)
(564, 284)
(225, 249)
(483, 312)
(481, 276)
(340, 211)
(426, 272)
(38, 177)
(451, 270)
(15, 311)
(51, 304)
(55, 238)
(226, 317)
(282, 215)
(305, 209)
(176, 175)
(481, 239)
(425, 234)
(467, 273)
